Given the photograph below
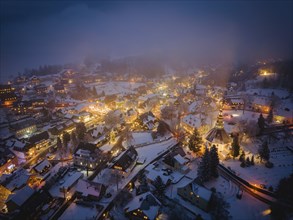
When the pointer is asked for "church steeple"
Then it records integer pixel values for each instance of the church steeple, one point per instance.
(220, 123)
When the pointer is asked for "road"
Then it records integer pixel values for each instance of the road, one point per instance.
(262, 195)
(41, 153)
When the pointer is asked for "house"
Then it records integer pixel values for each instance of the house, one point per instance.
(87, 156)
(24, 128)
(261, 104)
(67, 126)
(145, 206)
(130, 115)
(59, 88)
(196, 194)
(16, 180)
(40, 140)
(28, 148)
(42, 168)
(7, 99)
(126, 161)
(176, 162)
(70, 182)
(90, 190)
(147, 120)
(22, 107)
(98, 131)
(8, 160)
(41, 89)
(17, 200)
(35, 80)
(22, 149)
(5, 89)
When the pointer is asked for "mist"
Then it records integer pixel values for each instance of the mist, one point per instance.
(48, 32)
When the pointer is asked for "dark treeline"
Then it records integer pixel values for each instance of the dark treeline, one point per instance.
(43, 70)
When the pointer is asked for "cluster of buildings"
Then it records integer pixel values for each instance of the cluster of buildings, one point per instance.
(37, 111)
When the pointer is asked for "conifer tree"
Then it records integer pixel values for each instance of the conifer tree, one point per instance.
(264, 151)
(195, 141)
(261, 122)
(214, 161)
(59, 143)
(247, 162)
(242, 157)
(160, 187)
(203, 171)
(252, 160)
(66, 139)
(235, 147)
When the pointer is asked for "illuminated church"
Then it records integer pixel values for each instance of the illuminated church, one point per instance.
(219, 137)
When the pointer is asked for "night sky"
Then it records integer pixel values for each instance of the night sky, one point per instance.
(35, 33)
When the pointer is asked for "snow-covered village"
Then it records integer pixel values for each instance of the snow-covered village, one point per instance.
(141, 137)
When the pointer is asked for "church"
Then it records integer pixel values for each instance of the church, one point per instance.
(218, 136)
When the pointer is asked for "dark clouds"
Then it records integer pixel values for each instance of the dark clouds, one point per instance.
(46, 32)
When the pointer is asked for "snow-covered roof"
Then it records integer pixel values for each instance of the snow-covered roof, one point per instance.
(18, 144)
(16, 180)
(146, 202)
(89, 188)
(192, 120)
(218, 136)
(21, 195)
(201, 191)
(40, 167)
(180, 159)
(97, 130)
(71, 180)
(261, 100)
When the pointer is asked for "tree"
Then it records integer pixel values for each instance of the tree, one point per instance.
(247, 162)
(270, 116)
(235, 147)
(242, 157)
(111, 119)
(163, 128)
(214, 161)
(94, 92)
(264, 151)
(80, 130)
(261, 122)
(74, 141)
(65, 138)
(59, 143)
(195, 141)
(284, 194)
(252, 160)
(160, 187)
(219, 207)
(203, 171)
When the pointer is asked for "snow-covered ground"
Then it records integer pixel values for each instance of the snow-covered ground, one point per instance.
(280, 156)
(139, 138)
(79, 212)
(246, 208)
(111, 88)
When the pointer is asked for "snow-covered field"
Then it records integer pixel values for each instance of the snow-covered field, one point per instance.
(246, 208)
(280, 156)
(139, 138)
(111, 88)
